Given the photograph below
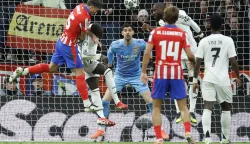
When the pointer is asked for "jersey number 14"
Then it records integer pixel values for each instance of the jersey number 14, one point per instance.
(170, 48)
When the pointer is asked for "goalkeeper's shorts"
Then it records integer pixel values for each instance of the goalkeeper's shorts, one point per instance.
(176, 88)
(135, 82)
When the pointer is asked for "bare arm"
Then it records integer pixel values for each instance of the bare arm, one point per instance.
(235, 66)
(190, 55)
(146, 57)
(197, 67)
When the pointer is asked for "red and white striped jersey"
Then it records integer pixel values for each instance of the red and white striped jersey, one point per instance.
(77, 22)
(168, 40)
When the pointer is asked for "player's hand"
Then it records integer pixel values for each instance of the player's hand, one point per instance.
(108, 11)
(195, 88)
(146, 27)
(238, 81)
(190, 65)
(200, 35)
(96, 40)
(144, 78)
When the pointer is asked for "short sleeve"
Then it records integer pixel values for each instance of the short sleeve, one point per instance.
(185, 43)
(151, 38)
(142, 44)
(200, 52)
(231, 49)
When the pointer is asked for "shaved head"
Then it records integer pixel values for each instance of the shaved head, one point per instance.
(160, 5)
(158, 10)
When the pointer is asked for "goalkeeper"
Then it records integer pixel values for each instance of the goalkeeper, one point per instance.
(184, 22)
(128, 51)
(93, 68)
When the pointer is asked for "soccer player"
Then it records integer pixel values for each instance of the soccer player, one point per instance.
(216, 50)
(168, 40)
(67, 52)
(128, 69)
(93, 69)
(184, 22)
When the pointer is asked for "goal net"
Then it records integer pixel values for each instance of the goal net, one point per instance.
(47, 107)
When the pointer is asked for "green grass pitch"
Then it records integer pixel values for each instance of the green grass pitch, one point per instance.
(105, 143)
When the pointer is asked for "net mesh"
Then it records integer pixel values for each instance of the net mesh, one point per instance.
(28, 35)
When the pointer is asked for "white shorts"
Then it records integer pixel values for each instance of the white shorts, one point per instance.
(213, 92)
(186, 66)
(89, 67)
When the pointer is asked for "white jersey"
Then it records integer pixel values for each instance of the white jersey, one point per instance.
(89, 48)
(216, 50)
(185, 22)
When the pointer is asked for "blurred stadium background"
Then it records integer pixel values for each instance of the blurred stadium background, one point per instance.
(47, 107)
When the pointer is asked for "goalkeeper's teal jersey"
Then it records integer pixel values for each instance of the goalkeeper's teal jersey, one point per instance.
(128, 57)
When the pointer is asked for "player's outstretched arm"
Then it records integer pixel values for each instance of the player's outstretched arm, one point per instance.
(235, 67)
(186, 20)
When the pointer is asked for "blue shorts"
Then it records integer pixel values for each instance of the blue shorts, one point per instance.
(66, 54)
(135, 82)
(176, 88)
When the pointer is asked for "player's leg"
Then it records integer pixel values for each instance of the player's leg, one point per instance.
(93, 83)
(56, 61)
(107, 73)
(178, 92)
(144, 91)
(120, 83)
(209, 99)
(72, 58)
(224, 97)
(159, 90)
(192, 95)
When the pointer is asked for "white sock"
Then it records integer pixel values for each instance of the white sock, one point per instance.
(176, 106)
(102, 128)
(111, 85)
(206, 121)
(96, 100)
(192, 98)
(86, 103)
(225, 123)
(25, 71)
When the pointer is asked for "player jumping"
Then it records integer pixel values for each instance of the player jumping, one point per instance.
(168, 40)
(67, 52)
(184, 22)
(216, 50)
(128, 51)
(93, 69)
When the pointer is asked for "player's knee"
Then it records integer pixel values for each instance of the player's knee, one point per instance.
(147, 96)
(209, 105)
(53, 67)
(225, 106)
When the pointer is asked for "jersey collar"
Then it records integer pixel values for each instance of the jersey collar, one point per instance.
(86, 8)
(170, 26)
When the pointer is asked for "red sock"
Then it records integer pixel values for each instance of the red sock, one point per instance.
(39, 68)
(82, 87)
(158, 131)
(187, 126)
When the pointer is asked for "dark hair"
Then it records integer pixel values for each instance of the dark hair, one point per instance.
(127, 25)
(97, 29)
(95, 3)
(160, 5)
(171, 14)
(215, 22)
